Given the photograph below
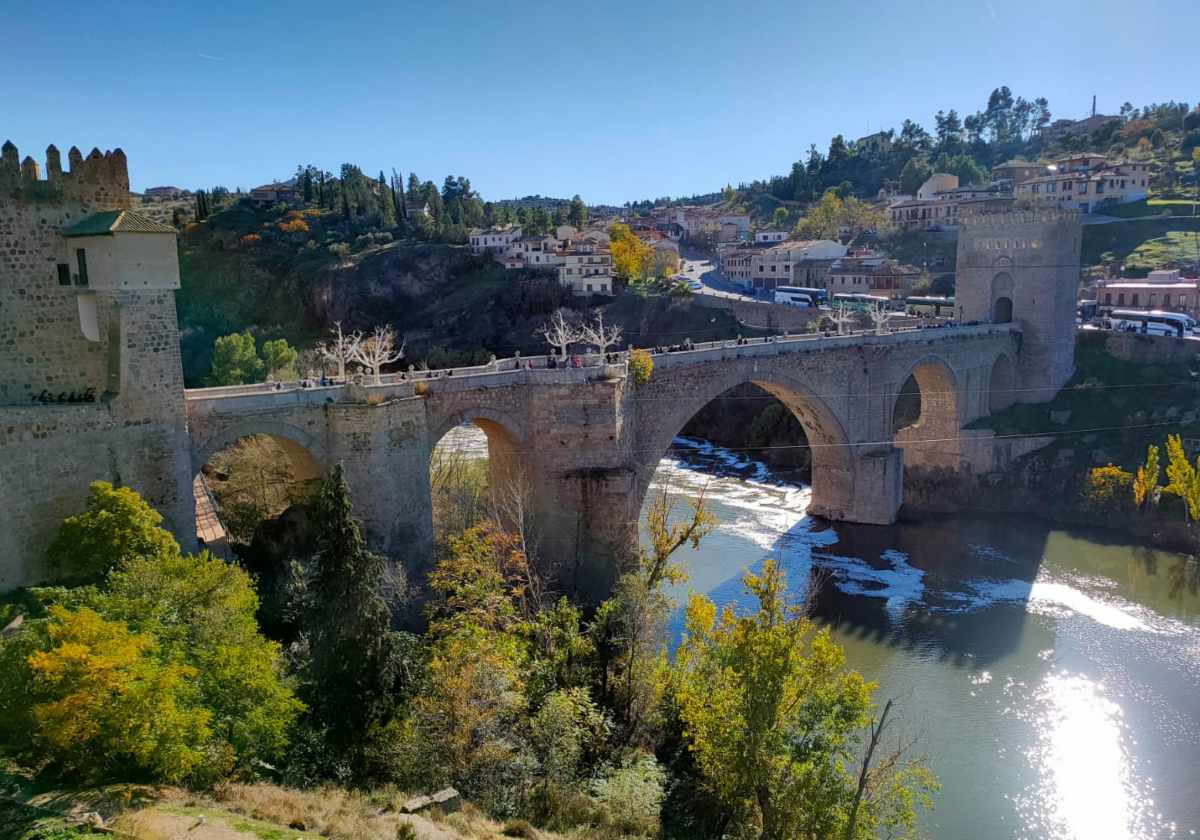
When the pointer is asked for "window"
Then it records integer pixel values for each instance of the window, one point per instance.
(1108, 298)
(1120, 299)
(64, 274)
(1134, 302)
(81, 279)
(1166, 298)
(589, 287)
(1153, 300)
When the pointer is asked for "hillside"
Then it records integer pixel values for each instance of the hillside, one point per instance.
(292, 274)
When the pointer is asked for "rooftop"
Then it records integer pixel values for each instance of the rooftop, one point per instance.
(116, 221)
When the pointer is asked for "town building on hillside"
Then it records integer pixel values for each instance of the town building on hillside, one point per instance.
(1087, 181)
(534, 251)
(1166, 290)
(165, 194)
(706, 223)
(769, 236)
(871, 275)
(415, 207)
(763, 268)
(1067, 128)
(879, 142)
(276, 193)
(586, 269)
(812, 272)
(1016, 171)
(493, 240)
(938, 203)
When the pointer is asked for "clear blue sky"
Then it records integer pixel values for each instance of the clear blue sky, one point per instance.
(615, 100)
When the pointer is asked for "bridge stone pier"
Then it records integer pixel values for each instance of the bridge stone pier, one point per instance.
(583, 444)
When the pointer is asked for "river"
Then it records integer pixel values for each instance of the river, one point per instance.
(1053, 676)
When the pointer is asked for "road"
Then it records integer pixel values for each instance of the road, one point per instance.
(700, 266)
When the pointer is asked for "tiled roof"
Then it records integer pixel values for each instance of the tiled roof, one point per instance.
(116, 221)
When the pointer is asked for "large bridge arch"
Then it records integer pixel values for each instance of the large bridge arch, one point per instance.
(834, 462)
(287, 434)
(507, 443)
(935, 438)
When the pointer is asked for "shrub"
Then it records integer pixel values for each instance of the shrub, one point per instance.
(294, 226)
(520, 828)
(629, 797)
(339, 249)
(117, 524)
(1108, 489)
(250, 240)
(641, 365)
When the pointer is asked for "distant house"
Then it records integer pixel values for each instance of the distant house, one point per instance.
(763, 268)
(1086, 181)
(878, 142)
(1067, 128)
(494, 240)
(871, 275)
(1164, 289)
(1016, 171)
(414, 207)
(769, 236)
(938, 203)
(586, 269)
(165, 193)
(276, 193)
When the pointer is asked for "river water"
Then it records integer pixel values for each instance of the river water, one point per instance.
(1053, 676)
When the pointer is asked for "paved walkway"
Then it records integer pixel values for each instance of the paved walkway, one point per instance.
(208, 527)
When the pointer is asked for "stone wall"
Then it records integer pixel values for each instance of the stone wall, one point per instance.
(134, 434)
(1151, 349)
(760, 314)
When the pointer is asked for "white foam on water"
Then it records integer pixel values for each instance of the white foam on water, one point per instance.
(900, 585)
(1046, 596)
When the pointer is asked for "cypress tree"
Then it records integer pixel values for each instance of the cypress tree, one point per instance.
(352, 670)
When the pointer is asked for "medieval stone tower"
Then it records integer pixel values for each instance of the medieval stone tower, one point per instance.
(1023, 266)
(91, 386)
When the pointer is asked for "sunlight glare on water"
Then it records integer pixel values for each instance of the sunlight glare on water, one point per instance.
(1088, 786)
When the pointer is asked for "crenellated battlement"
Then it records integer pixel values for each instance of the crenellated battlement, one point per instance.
(1032, 216)
(101, 179)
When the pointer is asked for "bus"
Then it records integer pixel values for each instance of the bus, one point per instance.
(792, 296)
(939, 307)
(1086, 310)
(817, 296)
(1151, 322)
(862, 302)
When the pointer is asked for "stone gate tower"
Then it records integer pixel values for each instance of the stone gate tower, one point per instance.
(91, 386)
(1023, 266)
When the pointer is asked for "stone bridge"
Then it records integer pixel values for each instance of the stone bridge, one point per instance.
(583, 443)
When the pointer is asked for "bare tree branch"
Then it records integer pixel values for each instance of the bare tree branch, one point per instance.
(559, 332)
(378, 349)
(340, 349)
(600, 336)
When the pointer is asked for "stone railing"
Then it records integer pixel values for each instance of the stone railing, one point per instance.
(537, 370)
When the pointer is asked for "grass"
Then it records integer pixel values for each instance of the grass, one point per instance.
(1175, 247)
(24, 822)
(1164, 239)
(1108, 392)
(1150, 207)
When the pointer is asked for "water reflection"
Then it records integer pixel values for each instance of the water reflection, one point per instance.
(1056, 674)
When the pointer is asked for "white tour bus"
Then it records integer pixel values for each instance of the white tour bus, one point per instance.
(1152, 322)
(793, 296)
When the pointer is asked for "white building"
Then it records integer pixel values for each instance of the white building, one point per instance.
(495, 240)
(769, 237)
(1087, 181)
(586, 269)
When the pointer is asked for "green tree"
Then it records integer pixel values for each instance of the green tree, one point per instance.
(89, 697)
(118, 524)
(235, 360)
(351, 673)
(200, 610)
(1183, 478)
(915, 173)
(779, 217)
(775, 721)
(578, 213)
(279, 359)
(1145, 482)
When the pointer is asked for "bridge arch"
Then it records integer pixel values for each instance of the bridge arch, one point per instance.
(833, 458)
(1001, 383)
(247, 473)
(933, 436)
(506, 458)
(1002, 298)
(293, 435)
